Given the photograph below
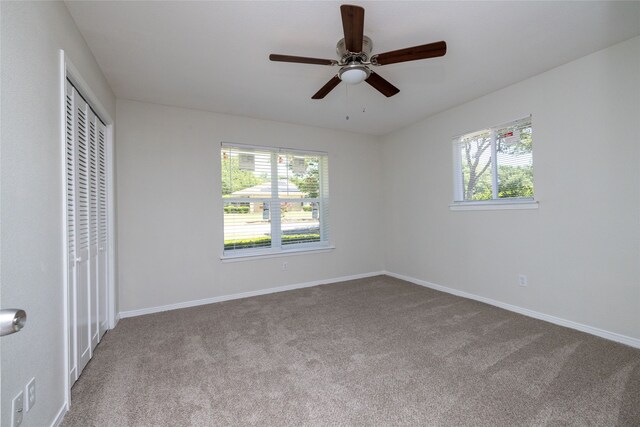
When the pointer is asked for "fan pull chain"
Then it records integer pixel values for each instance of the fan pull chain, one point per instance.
(346, 91)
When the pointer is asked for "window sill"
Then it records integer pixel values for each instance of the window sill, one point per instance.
(287, 252)
(493, 205)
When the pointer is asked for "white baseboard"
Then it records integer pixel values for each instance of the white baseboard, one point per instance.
(633, 342)
(186, 304)
(60, 416)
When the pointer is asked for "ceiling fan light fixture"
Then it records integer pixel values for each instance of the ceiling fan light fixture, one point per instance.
(354, 74)
(354, 51)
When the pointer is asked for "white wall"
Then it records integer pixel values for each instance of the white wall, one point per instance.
(170, 209)
(32, 195)
(581, 248)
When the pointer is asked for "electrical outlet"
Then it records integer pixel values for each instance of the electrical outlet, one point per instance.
(522, 280)
(31, 395)
(285, 266)
(17, 410)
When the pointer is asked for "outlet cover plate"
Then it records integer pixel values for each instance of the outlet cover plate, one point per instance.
(17, 409)
(522, 280)
(31, 395)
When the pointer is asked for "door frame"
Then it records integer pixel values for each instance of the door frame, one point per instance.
(68, 70)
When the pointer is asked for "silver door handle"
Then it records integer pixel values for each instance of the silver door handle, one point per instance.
(12, 320)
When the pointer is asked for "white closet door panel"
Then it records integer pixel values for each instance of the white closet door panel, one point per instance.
(82, 223)
(71, 231)
(93, 227)
(103, 302)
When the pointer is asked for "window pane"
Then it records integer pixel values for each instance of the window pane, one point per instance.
(298, 176)
(245, 172)
(261, 184)
(475, 155)
(246, 225)
(300, 222)
(515, 161)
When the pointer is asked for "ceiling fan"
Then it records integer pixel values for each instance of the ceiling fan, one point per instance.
(355, 62)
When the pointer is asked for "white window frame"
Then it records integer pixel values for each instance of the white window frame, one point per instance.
(459, 204)
(277, 249)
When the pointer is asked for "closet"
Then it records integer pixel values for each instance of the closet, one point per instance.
(86, 225)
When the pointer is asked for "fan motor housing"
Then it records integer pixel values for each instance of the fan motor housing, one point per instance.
(346, 56)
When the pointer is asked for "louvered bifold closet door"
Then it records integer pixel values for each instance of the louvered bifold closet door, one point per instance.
(70, 175)
(102, 229)
(93, 227)
(86, 202)
(82, 231)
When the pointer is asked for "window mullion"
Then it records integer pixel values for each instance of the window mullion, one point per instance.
(275, 208)
(494, 165)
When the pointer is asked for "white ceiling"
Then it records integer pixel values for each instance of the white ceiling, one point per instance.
(214, 55)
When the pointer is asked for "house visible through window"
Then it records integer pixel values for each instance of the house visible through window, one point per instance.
(495, 163)
(274, 200)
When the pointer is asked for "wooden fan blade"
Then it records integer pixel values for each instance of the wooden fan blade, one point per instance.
(301, 59)
(353, 25)
(327, 88)
(383, 86)
(424, 51)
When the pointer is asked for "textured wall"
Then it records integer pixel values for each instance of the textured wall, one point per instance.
(170, 209)
(581, 248)
(32, 195)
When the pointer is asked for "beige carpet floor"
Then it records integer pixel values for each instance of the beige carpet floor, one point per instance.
(369, 352)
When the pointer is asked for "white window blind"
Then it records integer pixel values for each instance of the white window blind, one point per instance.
(494, 163)
(274, 199)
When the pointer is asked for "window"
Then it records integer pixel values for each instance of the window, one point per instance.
(494, 165)
(274, 200)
